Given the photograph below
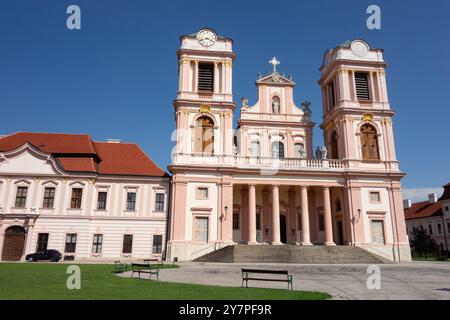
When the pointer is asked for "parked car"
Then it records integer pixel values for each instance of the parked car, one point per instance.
(52, 255)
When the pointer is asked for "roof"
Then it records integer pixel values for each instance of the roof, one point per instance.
(423, 209)
(79, 153)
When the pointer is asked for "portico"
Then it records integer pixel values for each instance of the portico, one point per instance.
(283, 214)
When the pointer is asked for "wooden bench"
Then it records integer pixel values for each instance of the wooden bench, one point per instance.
(284, 276)
(144, 268)
(120, 267)
(159, 262)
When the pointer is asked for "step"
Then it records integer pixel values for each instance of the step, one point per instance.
(291, 254)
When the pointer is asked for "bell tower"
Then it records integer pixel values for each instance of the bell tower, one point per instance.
(357, 123)
(204, 103)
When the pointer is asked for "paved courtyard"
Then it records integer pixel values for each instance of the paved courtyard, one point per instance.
(417, 280)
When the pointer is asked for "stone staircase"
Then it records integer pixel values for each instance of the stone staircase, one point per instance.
(292, 254)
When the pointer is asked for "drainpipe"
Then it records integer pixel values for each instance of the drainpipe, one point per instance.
(169, 213)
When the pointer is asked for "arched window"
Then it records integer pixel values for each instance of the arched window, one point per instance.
(369, 143)
(277, 149)
(204, 135)
(275, 105)
(299, 150)
(334, 152)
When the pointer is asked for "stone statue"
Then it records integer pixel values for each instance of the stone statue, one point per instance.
(244, 102)
(321, 153)
(324, 152)
(318, 153)
(259, 75)
(276, 105)
(307, 108)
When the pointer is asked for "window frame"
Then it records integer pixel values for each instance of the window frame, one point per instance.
(72, 242)
(20, 199)
(75, 201)
(129, 238)
(104, 202)
(198, 195)
(48, 201)
(40, 242)
(97, 242)
(194, 231)
(131, 204)
(157, 247)
(160, 206)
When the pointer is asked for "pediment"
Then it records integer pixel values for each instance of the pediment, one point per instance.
(277, 79)
(28, 160)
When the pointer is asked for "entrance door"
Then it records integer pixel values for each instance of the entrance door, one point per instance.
(340, 233)
(13, 244)
(283, 228)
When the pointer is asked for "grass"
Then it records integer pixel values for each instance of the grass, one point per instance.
(48, 281)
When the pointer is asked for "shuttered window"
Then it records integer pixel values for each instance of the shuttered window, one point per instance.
(206, 77)
(362, 86)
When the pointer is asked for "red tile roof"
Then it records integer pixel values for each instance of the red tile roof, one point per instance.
(423, 209)
(79, 153)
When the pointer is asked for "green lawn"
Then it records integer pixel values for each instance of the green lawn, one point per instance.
(428, 259)
(48, 281)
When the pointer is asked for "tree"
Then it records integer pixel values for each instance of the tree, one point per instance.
(423, 244)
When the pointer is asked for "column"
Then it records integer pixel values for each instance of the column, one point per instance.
(251, 215)
(227, 207)
(292, 225)
(305, 218)
(327, 217)
(216, 77)
(195, 86)
(275, 216)
(266, 215)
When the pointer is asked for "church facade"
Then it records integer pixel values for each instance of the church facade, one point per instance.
(263, 182)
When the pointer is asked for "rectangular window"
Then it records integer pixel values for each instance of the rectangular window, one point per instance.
(430, 229)
(75, 202)
(377, 231)
(21, 197)
(127, 243)
(332, 94)
(206, 77)
(362, 86)
(235, 220)
(101, 200)
(157, 243)
(71, 243)
(42, 242)
(49, 198)
(375, 197)
(159, 202)
(439, 228)
(321, 222)
(201, 229)
(448, 226)
(131, 201)
(202, 193)
(97, 243)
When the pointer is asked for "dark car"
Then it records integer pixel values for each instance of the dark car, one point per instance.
(52, 255)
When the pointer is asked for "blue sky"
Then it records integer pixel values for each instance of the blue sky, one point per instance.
(117, 76)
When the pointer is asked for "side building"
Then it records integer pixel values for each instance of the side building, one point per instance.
(90, 200)
(433, 216)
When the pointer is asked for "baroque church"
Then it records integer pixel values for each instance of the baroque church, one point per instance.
(263, 183)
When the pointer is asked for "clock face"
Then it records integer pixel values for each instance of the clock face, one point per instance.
(359, 48)
(206, 37)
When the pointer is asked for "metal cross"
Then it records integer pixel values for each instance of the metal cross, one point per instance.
(274, 62)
